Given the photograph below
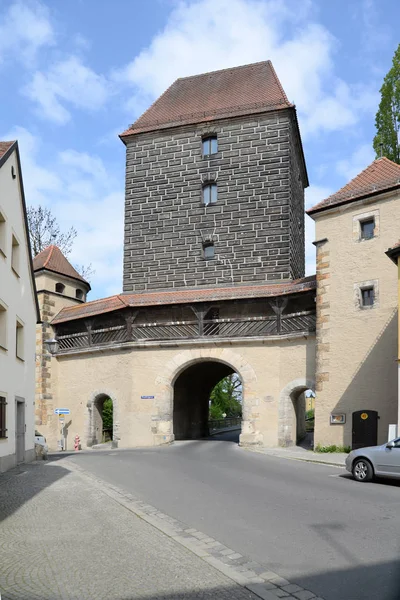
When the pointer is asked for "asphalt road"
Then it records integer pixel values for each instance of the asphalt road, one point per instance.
(310, 523)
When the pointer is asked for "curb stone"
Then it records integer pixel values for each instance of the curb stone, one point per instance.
(308, 460)
(255, 577)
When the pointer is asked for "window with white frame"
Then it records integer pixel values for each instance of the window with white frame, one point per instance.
(210, 145)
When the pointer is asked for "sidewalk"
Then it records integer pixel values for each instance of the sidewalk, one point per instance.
(63, 538)
(336, 459)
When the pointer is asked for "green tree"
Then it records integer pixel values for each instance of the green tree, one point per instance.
(108, 414)
(387, 121)
(226, 398)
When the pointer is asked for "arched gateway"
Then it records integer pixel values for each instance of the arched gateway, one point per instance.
(184, 387)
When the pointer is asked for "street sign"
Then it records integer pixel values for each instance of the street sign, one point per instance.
(62, 411)
(147, 397)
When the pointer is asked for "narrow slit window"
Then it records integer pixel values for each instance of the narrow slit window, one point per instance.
(3, 327)
(79, 294)
(3, 239)
(19, 341)
(210, 145)
(3, 416)
(208, 250)
(367, 229)
(210, 194)
(367, 296)
(15, 255)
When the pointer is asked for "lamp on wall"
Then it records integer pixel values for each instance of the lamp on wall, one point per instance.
(52, 345)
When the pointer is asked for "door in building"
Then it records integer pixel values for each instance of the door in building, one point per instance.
(365, 429)
(20, 430)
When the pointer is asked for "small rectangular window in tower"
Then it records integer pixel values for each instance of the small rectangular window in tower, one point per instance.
(367, 229)
(367, 296)
(3, 415)
(3, 238)
(208, 250)
(15, 255)
(19, 341)
(210, 194)
(210, 145)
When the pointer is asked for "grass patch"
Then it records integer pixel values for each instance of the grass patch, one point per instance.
(331, 449)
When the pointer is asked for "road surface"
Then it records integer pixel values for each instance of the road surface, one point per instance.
(310, 523)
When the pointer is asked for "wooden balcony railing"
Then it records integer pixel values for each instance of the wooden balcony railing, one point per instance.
(176, 330)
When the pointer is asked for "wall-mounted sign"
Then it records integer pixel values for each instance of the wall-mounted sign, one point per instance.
(338, 419)
(147, 397)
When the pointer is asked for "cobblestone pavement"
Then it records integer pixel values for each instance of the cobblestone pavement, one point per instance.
(66, 534)
(62, 537)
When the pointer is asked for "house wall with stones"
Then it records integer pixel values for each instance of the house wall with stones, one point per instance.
(257, 224)
(50, 303)
(273, 373)
(356, 347)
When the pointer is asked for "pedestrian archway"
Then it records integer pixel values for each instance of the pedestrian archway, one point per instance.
(193, 398)
(292, 412)
(101, 419)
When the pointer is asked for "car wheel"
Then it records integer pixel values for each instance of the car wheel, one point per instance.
(362, 470)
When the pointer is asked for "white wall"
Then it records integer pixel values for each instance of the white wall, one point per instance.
(17, 377)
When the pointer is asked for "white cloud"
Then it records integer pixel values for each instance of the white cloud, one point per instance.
(81, 192)
(24, 29)
(357, 162)
(314, 194)
(214, 34)
(68, 82)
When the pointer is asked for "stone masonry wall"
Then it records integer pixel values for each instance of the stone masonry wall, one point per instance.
(43, 395)
(166, 222)
(296, 214)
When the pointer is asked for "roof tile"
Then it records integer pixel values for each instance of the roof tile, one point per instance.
(230, 92)
(4, 146)
(379, 176)
(182, 296)
(52, 259)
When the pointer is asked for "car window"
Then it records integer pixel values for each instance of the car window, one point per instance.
(397, 443)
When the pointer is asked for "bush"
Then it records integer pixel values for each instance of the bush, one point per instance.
(310, 413)
(333, 448)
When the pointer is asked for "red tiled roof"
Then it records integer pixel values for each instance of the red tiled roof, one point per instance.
(230, 92)
(52, 259)
(379, 176)
(182, 296)
(4, 146)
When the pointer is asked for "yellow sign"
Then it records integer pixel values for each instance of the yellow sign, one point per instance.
(364, 416)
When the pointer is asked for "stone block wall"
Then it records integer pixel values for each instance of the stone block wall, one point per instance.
(260, 191)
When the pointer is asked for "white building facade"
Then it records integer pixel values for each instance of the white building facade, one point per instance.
(18, 317)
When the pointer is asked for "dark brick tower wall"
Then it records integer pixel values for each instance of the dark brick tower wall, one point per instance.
(257, 225)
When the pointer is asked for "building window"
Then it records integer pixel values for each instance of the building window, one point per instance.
(60, 287)
(3, 410)
(15, 255)
(79, 294)
(210, 194)
(367, 229)
(19, 340)
(208, 250)
(367, 296)
(3, 240)
(210, 145)
(3, 326)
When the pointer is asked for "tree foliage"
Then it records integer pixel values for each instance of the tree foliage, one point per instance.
(108, 414)
(387, 121)
(226, 398)
(44, 231)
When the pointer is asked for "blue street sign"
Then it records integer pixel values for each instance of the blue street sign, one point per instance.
(62, 411)
(147, 397)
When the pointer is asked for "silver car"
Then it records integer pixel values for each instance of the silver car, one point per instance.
(383, 461)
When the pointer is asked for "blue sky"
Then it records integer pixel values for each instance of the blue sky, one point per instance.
(76, 73)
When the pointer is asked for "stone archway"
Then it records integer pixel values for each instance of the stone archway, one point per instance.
(163, 420)
(288, 410)
(94, 418)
